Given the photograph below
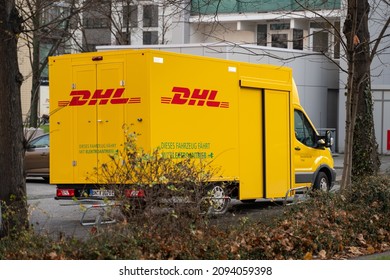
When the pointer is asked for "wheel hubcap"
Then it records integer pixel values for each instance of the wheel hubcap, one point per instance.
(218, 199)
(323, 184)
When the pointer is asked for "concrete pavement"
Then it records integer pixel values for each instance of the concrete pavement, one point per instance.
(339, 164)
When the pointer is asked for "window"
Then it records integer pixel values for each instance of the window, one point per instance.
(262, 34)
(40, 142)
(150, 38)
(94, 23)
(336, 47)
(320, 41)
(56, 15)
(304, 132)
(320, 36)
(279, 41)
(280, 35)
(279, 26)
(298, 39)
(130, 15)
(150, 18)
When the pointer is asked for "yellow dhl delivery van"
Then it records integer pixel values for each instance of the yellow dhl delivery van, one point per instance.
(245, 118)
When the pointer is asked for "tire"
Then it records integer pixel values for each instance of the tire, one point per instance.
(215, 201)
(322, 182)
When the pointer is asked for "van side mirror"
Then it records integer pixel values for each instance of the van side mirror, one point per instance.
(326, 140)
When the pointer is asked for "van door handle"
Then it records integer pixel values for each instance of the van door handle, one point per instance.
(297, 148)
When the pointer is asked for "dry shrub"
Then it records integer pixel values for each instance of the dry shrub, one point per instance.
(169, 193)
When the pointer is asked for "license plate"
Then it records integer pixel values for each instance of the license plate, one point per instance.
(102, 193)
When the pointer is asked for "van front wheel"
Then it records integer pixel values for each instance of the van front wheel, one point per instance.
(322, 182)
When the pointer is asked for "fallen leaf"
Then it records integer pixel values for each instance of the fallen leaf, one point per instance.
(371, 250)
(308, 256)
(322, 254)
(53, 255)
(234, 248)
(361, 239)
(355, 250)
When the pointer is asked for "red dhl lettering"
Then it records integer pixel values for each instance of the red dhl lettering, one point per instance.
(99, 97)
(198, 97)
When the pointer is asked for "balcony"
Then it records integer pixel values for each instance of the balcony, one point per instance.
(209, 7)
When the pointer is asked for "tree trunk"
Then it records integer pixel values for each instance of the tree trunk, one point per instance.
(35, 65)
(34, 101)
(361, 155)
(365, 149)
(12, 181)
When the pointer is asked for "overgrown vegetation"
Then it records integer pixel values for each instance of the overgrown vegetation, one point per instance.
(326, 226)
(169, 224)
(148, 182)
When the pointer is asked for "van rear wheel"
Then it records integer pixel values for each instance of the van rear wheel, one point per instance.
(215, 201)
(322, 182)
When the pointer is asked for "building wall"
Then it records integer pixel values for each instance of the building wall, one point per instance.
(25, 70)
(208, 33)
(382, 119)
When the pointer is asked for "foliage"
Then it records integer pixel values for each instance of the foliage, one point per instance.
(332, 226)
(145, 181)
(326, 226)
(365, 156)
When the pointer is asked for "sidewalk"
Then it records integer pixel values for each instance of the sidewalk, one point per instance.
(339, 161)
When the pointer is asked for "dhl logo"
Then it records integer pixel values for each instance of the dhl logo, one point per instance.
(197, 97)
(99, 97)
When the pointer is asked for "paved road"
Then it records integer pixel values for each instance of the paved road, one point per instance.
(47, 216)
(339, 161)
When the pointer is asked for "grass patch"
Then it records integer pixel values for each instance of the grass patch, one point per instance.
(45, 128)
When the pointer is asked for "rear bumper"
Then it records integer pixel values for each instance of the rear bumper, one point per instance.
(88, 193)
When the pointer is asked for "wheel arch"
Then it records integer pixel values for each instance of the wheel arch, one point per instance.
(330, 173)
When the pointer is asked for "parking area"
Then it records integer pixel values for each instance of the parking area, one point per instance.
(46, 214)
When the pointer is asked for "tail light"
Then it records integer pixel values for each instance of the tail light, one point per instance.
(135, 193)
(65, 192)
